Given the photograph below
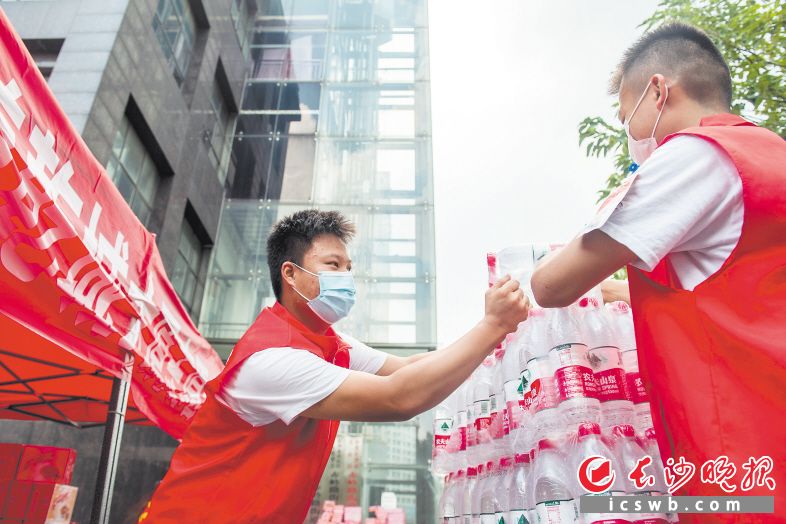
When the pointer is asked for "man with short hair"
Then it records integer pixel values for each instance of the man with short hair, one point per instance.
(257, 448)
(701, 226)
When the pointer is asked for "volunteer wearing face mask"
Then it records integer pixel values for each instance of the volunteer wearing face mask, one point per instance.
(701, 226)
(257, 448)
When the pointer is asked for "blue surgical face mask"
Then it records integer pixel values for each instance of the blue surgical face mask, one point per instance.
(336, 295)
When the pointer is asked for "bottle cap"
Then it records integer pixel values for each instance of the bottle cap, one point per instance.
(623, 430)
(522, 458)
(589, 302)
(588, 428)
(544, 444)
(472, 472)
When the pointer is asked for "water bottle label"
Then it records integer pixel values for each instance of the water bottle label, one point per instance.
(468, 519)
(482, 424)
(497, 424)
(482, 414)
(500, 517)
(442, 430)
(514, 398)
(608, 521)
(505, 422)
(531, 394)
(462, 434)
(650, 521)
(575, 382)
(636, 388)
(611, 385)
(557, 512)
(519, 516)
(488, 518)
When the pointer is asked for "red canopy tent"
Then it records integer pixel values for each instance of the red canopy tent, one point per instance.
(89, 320)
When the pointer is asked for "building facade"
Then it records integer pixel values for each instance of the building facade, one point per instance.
(215, 118)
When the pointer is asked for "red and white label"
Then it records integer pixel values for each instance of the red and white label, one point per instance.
(575, 382)
(462, 435)
(611, 384)
(482, 414)
(636, 388)
(442, 430)
(514, 401)
(499, 417)
(534, 389)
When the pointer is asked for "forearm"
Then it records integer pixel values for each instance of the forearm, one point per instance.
(426, 381)
(615, 290)
(586, 261)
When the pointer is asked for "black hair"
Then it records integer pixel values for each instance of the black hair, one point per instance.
(684, 52)
(293, 235)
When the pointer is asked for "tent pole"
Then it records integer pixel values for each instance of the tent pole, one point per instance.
(110, 449)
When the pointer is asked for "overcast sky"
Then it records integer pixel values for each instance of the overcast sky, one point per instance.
(511, 79)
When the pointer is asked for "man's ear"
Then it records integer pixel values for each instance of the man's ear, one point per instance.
(288, 273)
(661, 90)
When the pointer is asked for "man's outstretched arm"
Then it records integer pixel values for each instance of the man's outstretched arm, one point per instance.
(562, 277)
(428, 380)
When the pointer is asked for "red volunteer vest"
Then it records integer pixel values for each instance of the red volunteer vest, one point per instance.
(714, 359)
(228, 471)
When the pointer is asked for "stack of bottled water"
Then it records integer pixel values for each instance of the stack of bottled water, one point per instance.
(564, 387)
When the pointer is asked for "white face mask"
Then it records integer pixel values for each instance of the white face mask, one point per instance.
(640, 150)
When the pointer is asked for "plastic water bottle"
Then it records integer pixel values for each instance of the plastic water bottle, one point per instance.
(604, 357)
(480, 441)
(540, 397)
(459, 495)
(587, 442)
(519, 491)
(499, 427)
(638, 394)
(502, 488)
(514, 399)
(554, 499)
(443, 427)
(457, 443)
(469, 490)
(519, 263)
(533, 513)
(622, 321)
(447, 508)
(573, 375)
(490, 503)
(477, 491)
(629, 452)
(649, 443)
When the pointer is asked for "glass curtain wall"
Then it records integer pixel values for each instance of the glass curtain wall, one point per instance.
(335, 114)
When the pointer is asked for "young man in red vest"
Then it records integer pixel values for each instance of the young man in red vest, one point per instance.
(702, 231)
(257, 448)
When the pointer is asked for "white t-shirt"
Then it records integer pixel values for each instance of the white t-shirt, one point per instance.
(686, 202)
(281, 383)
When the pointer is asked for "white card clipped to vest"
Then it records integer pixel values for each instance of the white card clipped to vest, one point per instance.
(609, 204)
